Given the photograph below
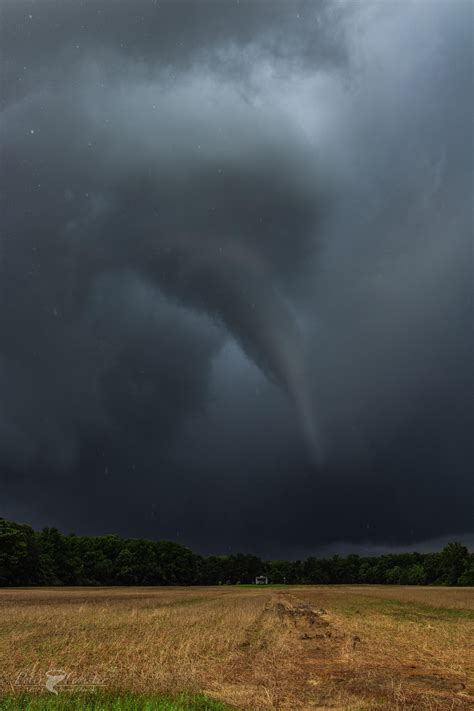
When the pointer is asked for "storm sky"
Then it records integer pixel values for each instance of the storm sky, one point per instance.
(236, 271)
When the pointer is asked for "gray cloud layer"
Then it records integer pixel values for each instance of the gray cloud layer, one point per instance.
(221, 223)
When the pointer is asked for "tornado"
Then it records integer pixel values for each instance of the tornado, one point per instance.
(232, 283)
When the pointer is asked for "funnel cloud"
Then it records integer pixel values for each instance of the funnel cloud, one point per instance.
(229, 281)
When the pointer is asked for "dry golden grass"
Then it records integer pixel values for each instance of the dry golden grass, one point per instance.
(344, 647)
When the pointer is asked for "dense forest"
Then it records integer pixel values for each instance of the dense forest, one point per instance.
(48, 557)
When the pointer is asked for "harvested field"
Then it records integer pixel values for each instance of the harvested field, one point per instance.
(330, 647)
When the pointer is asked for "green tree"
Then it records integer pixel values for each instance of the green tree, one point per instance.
(19, 558)
(393, 575)
(413, 575)
(467, 576)
(453, 558)
(278, 571)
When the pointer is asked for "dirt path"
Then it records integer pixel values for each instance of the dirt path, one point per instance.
(300, 656)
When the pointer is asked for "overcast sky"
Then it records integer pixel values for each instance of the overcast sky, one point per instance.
(236, 271)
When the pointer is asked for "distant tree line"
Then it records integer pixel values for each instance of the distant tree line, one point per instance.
(48, 557)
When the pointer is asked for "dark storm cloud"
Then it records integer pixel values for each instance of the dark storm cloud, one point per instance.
(221, 222)
(174, 33)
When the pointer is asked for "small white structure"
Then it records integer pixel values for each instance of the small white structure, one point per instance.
(261, 580)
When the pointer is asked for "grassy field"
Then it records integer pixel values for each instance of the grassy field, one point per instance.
(331, 647)
(109, 702)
